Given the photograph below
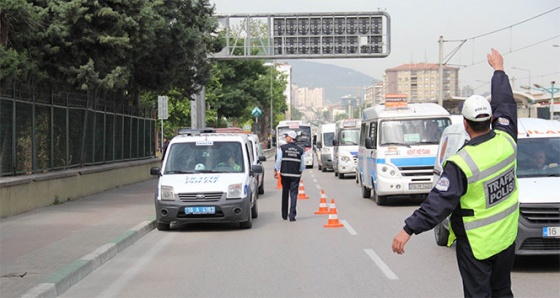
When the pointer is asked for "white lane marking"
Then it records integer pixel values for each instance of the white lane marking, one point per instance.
(348, 227)
(315, 180)
(116, 288)
(318, 186)
(384, 268)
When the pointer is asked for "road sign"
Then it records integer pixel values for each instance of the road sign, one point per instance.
(162, 107)
(309, 35)
(256, 112)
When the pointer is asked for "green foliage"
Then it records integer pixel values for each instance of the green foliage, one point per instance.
(122, 47)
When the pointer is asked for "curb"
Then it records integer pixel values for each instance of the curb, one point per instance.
(70, 274)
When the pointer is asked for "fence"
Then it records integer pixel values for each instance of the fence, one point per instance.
(44, 130)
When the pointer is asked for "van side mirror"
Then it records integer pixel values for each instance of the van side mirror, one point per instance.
(262, 158)
(369, 143)
(335, 142)
(256, 169)
(155, 171)
(319, 144)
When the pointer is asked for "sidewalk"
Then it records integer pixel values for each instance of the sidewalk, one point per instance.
(46, 251)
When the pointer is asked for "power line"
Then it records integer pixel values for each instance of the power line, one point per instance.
(519, 23)
(517, 50)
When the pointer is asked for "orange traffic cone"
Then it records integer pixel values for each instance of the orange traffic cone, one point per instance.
(333, 217)
(323, 209)
(301, 192)
(279, 184)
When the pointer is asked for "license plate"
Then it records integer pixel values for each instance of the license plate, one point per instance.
(416, 186)
(200, 210)
(551, 232)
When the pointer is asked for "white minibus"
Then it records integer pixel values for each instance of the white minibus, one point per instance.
(398, 147)
(345, 147)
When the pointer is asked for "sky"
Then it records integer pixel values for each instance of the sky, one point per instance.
(529, 43)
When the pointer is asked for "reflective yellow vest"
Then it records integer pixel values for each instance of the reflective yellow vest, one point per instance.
(492, 194)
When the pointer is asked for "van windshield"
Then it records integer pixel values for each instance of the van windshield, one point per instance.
(349, 137)
(412, 132)
(328, 138)
(204, 157)
(538, 157)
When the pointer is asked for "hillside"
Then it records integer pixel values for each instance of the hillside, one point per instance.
(337, 81)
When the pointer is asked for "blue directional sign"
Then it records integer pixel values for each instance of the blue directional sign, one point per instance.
(256, 112)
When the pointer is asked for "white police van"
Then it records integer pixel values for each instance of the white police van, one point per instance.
(539, 203)
(207, 177)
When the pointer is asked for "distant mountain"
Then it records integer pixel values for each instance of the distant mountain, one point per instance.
(337, 81)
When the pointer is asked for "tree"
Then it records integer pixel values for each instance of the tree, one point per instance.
(121, 47)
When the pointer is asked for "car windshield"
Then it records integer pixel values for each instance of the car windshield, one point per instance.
(204, 157)
(538, 157)
(412, 132)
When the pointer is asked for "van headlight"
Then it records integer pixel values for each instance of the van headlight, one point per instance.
(345, 159)
(234, 191)
(167, 193)
(388, 171)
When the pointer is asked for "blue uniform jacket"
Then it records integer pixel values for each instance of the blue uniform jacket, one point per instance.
(442, 203)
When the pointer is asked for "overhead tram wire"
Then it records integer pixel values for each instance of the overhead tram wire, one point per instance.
(502, 29)
(517, 50)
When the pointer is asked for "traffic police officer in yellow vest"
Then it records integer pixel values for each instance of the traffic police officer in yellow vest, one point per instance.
(478, 187)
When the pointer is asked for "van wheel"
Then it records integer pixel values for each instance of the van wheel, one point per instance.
(380, 200)
(249, 223)
(162, 226)
(335, 173)
(255, 210)
(261, 188)
(340, 176)
(441, 234)
(366, 192)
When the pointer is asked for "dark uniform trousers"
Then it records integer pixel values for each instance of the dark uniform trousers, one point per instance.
(485, 278)
(290, 187)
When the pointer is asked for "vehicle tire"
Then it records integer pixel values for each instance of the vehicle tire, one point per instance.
(255, 210)
(335, 173)
(380, 200)
(441, 234)
(249, 222)
(340, 176)
(366, 192)
(162, 226)
(261, 188)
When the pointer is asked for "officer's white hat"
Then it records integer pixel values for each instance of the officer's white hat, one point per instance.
(477, 108)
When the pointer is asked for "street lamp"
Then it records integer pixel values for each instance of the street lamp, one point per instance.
(550, 90)
(527, 70)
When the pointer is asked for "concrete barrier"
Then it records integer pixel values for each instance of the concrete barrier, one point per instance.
(20, 194)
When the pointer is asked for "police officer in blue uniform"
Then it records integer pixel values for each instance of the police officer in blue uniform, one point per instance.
(290, 164)
(484, 213)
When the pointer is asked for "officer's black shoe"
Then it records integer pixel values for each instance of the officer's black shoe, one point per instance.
(292, 219)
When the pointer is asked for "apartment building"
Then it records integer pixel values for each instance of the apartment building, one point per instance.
(420, 81)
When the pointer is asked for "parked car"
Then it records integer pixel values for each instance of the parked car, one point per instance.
(258, 158)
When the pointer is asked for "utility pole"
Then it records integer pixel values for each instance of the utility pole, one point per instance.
(440, 71)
